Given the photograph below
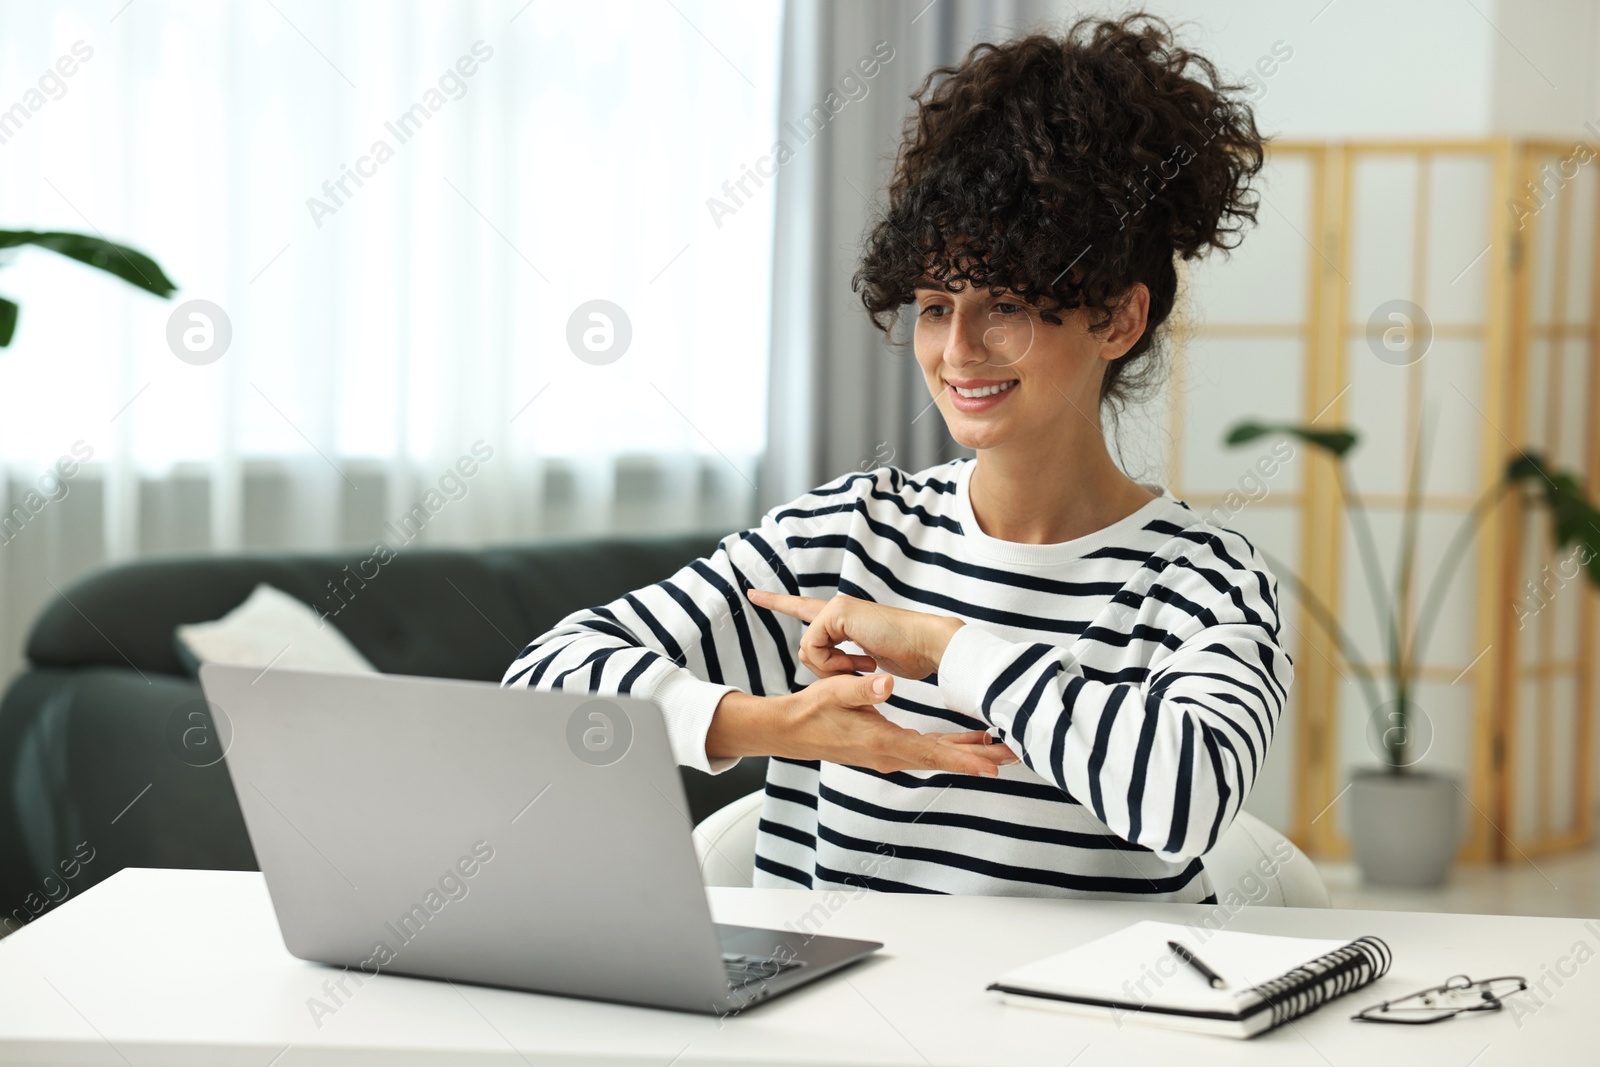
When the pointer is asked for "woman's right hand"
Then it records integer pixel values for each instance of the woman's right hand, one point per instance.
(834, 719)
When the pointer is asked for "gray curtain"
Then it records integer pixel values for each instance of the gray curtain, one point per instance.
(842, 398)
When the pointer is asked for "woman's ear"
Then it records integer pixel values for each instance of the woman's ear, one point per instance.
(1128, 321)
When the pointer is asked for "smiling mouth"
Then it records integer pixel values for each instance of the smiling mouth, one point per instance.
(976, 391)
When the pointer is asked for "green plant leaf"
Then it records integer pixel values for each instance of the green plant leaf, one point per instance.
(1337, 441)
(132, 266)
(1575, 520)
(1245, 432)
(1525, 465)
(8, 321)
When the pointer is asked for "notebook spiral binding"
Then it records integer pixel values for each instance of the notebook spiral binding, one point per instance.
(1311, 985)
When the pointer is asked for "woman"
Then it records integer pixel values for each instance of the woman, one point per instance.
(1028, 673)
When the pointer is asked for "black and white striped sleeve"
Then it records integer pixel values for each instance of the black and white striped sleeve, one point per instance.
(686, 641)
(1166, 760)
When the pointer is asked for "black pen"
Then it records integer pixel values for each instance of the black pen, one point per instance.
(1194, 961)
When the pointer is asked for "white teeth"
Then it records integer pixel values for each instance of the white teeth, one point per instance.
(987, 390)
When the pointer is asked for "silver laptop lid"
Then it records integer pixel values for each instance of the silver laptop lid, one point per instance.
(456, 829)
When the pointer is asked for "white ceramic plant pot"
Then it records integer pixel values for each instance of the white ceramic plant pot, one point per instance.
(1405, 827)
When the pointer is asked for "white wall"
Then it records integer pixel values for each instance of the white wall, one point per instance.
(1360, 68)
(1544, 81)
(1405, 68)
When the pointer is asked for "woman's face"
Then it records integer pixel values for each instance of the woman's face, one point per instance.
(1001, 374)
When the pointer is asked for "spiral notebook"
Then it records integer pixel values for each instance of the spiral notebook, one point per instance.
(1133, 976)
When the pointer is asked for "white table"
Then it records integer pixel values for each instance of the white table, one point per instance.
(187, 967)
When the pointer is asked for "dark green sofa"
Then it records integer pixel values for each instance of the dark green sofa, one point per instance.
(92, 760)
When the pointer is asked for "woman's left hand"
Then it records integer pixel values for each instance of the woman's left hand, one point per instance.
(907, 644)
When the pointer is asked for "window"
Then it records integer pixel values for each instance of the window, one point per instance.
(399, 208)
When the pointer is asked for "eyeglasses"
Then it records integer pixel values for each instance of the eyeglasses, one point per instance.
(1458, 995)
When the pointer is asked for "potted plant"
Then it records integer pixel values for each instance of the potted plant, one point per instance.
(133, 267)
(1405, 822)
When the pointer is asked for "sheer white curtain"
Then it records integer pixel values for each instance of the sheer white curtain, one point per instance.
(403, 210)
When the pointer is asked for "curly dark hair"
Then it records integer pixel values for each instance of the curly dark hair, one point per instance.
(1067, 169)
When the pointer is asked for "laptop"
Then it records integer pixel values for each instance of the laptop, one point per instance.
(458, 830)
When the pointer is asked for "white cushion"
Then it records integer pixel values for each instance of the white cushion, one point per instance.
(273, 628)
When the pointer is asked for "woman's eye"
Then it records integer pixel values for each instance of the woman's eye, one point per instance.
(935, 311)
(1004, 308)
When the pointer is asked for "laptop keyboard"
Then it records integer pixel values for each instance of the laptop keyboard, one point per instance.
(742, 970)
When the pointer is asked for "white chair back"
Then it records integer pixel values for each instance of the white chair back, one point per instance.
(1252, 863)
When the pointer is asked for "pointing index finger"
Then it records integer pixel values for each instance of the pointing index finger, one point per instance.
(804, 608)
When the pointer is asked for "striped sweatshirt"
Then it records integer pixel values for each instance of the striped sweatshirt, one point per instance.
(1137, 671)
